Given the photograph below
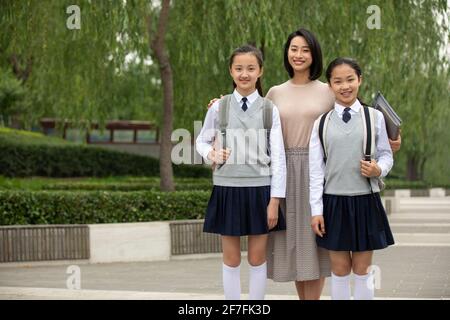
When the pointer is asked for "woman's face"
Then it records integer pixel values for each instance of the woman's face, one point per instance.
(245, 71)
(345, 84)
(299, 54)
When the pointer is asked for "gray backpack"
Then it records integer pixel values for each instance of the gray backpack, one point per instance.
(224, 109)
(369, 137)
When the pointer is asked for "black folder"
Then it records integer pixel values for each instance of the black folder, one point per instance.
(393, 121)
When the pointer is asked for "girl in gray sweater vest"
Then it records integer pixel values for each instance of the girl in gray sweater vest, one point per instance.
(250, 175)
(347, 214)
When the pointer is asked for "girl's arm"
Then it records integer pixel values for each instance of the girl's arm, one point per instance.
(277, 158)
(316, 177)
(383, 153)
(205, 140)
(278, 168)
(316, 172)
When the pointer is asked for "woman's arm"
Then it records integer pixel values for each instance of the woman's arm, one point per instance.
(396, 144)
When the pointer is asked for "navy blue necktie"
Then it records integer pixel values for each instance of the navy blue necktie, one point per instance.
(346, 116)
(244, 105)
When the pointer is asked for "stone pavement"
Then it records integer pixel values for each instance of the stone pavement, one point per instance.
(406, 272)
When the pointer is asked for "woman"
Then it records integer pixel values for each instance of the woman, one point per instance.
(293, 255)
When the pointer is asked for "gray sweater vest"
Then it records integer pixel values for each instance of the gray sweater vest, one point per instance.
(249, 163)
(345, 150)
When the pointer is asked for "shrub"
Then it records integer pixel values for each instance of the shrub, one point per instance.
(66, 207)
(27, 154)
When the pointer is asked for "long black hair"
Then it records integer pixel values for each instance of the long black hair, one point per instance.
(352, 63)
(316, 53)
(259, 56)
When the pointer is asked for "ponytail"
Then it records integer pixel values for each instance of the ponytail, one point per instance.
(259, 87)
(362, 102)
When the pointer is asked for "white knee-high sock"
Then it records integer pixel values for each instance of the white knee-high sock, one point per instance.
(231, 277)
(364, 287)
(340, 287)
(257, 282)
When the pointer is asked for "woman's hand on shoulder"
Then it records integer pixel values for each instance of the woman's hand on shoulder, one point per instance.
(211, 102)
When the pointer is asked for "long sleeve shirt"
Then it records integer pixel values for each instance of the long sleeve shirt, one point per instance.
(205, 141)
(383, 155)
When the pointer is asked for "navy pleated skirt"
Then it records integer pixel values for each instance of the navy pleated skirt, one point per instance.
(240, 211)
(355, 223)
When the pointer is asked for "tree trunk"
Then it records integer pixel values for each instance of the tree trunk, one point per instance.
(157, 45)
(422, 169)
(21, 73)
(412, 173)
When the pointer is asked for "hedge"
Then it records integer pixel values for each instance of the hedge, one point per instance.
(404, 184)
(127, 187)
(65, 207)
(27, 154)
(13, 136)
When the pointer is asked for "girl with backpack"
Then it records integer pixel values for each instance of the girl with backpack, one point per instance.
(242, 136)
(349, 151)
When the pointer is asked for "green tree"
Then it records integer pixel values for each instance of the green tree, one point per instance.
(74, 73)
(404, 59)
(157, 39)
(14, 98)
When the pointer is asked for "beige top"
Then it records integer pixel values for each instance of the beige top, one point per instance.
(299, 107)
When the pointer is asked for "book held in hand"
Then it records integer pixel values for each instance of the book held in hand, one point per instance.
(393, 121)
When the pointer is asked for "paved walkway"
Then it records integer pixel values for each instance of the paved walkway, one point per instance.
(406, 272)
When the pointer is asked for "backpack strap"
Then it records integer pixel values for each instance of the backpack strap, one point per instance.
(369, 136)
(224, 110)
(267, 120)
(368, 116)
(372, 130)
(369, 132)
(323, 125)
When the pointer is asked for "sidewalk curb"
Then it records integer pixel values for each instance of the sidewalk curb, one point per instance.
(8, 293)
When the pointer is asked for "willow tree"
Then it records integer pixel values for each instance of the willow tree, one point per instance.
(402, 57)
(158, 45)
(72, 71)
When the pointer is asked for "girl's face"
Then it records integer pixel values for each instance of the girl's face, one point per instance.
(299, 54)
(345, 84)
(245, 71)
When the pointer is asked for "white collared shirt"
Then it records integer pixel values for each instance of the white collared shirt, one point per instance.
(383, 155)
(205, 140)
(250, 98)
